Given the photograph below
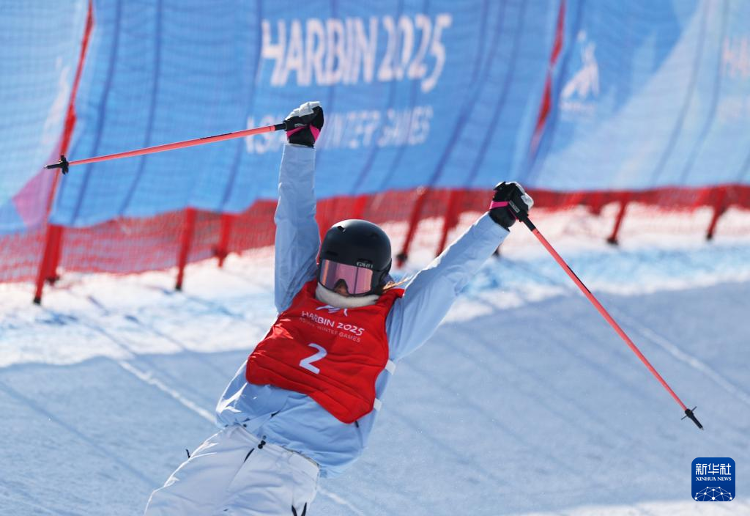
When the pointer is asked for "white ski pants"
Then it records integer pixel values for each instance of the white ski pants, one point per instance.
(231, 473)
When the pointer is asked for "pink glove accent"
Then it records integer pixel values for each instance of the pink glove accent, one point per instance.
(500, 204)
(314, 130)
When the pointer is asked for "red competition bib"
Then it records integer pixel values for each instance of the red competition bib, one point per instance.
(334, 355)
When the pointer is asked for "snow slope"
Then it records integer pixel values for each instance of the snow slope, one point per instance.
(524, 402)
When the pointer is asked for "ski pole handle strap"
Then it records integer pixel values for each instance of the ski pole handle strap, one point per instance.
(497, 204)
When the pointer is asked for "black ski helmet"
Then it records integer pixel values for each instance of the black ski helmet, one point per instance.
(362, 244)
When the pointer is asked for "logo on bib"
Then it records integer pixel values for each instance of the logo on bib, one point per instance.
(332, 309)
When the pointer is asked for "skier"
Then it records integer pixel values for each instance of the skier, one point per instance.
(305, 402)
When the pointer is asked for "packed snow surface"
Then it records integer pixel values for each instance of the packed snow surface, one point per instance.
(524, 402)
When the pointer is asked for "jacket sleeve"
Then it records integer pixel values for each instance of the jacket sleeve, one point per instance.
(430, 294)
(297, 236)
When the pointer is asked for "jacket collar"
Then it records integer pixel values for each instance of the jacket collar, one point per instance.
(329, 297)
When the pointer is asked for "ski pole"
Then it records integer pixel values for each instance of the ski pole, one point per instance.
(64, 164)
(524, 217)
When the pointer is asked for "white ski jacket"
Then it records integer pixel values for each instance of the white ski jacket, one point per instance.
(294, 421)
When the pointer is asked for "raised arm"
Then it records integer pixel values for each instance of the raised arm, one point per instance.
(297, 235)
(429, 296)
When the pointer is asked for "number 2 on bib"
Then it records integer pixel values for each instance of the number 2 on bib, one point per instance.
(306, 363)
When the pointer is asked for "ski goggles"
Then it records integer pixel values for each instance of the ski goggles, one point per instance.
(357, 280)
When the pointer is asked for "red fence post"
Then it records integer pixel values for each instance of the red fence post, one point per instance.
(50, 260)
(624, 201)
(595, 203)
(719, 209)
(53, 242)
(53, 253)
(222, 249)
(359, 207)
(416, 213)
(450, 219)
(186, 237)
(46, 261)
(51, 275)
(326, 215)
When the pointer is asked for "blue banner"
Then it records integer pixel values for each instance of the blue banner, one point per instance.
(648, 94)
(439, 93)
(644, 94)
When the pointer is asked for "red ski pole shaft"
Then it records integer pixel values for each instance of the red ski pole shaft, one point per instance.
(525, 219)
(64, 164)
